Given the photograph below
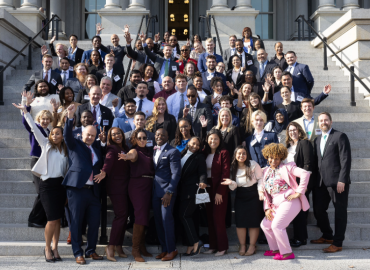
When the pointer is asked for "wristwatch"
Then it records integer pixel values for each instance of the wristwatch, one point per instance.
(169, 192)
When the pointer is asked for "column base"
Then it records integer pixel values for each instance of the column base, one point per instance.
(323, 18)
(114, 21)
(30, 17)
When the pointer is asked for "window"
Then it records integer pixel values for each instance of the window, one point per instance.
(264, 21)
(92, 17)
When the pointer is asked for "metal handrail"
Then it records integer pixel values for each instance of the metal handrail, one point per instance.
(218, 37)
(340, 60)
(209, 29)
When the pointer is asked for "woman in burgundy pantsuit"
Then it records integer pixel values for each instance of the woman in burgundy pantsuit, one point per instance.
(117, 173)
(140, 189)
(218, 168)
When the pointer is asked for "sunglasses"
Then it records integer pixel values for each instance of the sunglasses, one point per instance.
(184, 50)
(190, 96)
(142, 138)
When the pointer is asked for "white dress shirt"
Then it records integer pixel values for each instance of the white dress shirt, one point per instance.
(109, 73)
(291, 68)
(242, 180)
(201, 95)
(232, 51)
(57, 165)
(185, 158)
(158, 153)
(193, 109)
(308, 126)
(49, 74)
(209, 162)
(95, 159)
(173, 103)
(258, 136)
(242, 55)
(147, 106)
(324, 142)
(65, 73)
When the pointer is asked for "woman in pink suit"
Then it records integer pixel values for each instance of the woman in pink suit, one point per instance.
(284, 199)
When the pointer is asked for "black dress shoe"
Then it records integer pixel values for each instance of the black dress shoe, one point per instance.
(49, 260)
(196, 252)
(34, 225)
(185, 254)
(297, 243)
(262, 242)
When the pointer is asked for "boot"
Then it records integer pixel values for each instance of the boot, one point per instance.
(136, 239)
(143, 250)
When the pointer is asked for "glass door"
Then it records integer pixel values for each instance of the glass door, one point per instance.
(264, 20)
(92, 17)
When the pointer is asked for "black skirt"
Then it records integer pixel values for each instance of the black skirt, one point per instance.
(53, 197)
(248, 208)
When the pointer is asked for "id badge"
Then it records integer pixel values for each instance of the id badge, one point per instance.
(70, 68)
(250, 62)
(105, 122)
(87, 97)
(318, 131)
(54, 82)
(300, 98)
(174, 68)
(149, 143)
(117, 78)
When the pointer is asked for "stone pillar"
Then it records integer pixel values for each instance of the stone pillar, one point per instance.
(29, 15)
(7, 4)
(326, 14)
(56, 7)
(115, 4)
(350, 4)
(30, 4)
(219, 4)
(137, 4)
(325, 4)
(243, 4)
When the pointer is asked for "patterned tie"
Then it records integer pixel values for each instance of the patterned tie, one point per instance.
(47, 76)
(192, 111)
(181, 106)
(92, 160)
(323, 147)
(140, 105)
(94, 113)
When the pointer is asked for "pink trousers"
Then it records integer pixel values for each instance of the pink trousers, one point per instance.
(275, 230)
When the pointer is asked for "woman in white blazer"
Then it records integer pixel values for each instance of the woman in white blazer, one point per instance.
(51, 168)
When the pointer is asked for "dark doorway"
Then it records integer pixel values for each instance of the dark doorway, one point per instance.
(179, 18)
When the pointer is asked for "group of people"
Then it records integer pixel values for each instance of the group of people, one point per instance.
(178, 129)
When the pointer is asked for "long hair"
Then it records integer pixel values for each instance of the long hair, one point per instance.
(37, 94)
(301, 134)
(111, 142)
(142, 71)
(247, 118)
(134, 135)
(207, 148)
(195, 69)
(90, 76)
(100, 63)
(153, 119)
(234, 163)
(178, 135)
(273, 70)
(193, 37)
(219, 124)
(183, 152)
(62, 94)
(241, 89)
(63, 145)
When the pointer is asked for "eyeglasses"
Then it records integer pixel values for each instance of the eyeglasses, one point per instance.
(293, 130)
(142, 138)
(190, 96)
(184, 50)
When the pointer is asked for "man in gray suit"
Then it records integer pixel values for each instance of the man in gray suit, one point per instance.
(195, 110)
(139, 56)
(263, 66)
(139, 122)
(47, 74)
(231, 50)
(109, 99)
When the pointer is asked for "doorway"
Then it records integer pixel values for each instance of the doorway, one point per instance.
(178, 18)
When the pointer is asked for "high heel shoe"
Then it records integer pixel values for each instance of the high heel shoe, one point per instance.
(195, 253)
(251, 253)
(57, 259)
(242, 253)
(48, 260)
(121, 255)
(221, 253)
(112, 259)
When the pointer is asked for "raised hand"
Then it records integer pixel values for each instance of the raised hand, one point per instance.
(230, 85)
(126, 28)
(71, 111)
(142, 37)
(269, 77)
(102, 136)
(100, 176)
(52, 39)
(30, 98)
(115, 102)
(327, 89)
(187, 42)
(60, 86)
(20, 106)
(266, 86)
(111, 52)
(203, 121)
(157, 37)
(215, 100)
(55, 104)
(44, 50)
(99, 28)
(185, 112)
(128, 38)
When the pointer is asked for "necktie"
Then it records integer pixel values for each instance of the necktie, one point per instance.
(64, 77)
(323, 146)
(290, 69)
(94, 113)
(140, 105)
(181, 106)
(261, 70)
(46, 78)
(166, 68)
(92, 161)
(192, 110)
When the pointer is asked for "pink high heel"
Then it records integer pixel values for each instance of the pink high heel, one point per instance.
(280, 257)
(270, 253)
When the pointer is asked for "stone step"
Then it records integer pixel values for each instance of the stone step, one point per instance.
(337, 109)
(14, 152)
(355, 215)
(15, 163)
(16, 174)
(14, 142)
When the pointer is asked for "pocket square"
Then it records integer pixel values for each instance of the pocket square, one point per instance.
(164, 157)
(298, 74)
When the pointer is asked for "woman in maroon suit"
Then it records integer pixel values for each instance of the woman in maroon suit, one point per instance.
(140, 189)
(117, 173)
(218, 168)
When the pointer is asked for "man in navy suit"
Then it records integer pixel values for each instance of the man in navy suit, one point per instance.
(96, 42)
(210, 73)
(125, 121)
(262, 67)
(65, 70)
(202, 61)
(167, 165)
(87, 119)
(85, 162)
(302, 77)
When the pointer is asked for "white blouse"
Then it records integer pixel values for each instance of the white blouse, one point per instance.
(185, 158)
(209, 162)
(243, 181)
(57, 164)
(201, 95)
(291, 154)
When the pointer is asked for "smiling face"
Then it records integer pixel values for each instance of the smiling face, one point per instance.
(95, 95)
(181, 84)
(211, 64)
(44, 121)
(198, 47)
(258, 122)
(220, 67)
(109, 62)
(185, 52)
(274, 162)
(47, 62)
(43, 89)
(59, 49)
(189, 69)
(247, 34)
(254, 101)
(249, 76)
(173, 41)
(290, 58)
(81, 70)
(232, 41)
(97, 43)
(193, 145)
(239, 46)
(167, 83)
(139, 45)
(115, 40)
(89, 135)
(225, 118)
(236, 62)
(161, 136)
(210, 46)
(293, 133)
(135, 78)
(56, 136)
(286, 80)
(218, 88)
(90, 82)
(307, 109)
(246, 90)
(68, 96)
(117, 136)
(162, 107)
(64, 65)
(241, 155)
(279, 48)
(87, 119)
(73, 41)
(280, 118)
(192, 96)
(261, 56)
(167, 51)
(285, 94)
(141, 139)
(213, 141)
(106, 86)
(185, 129)
(149, 70)
(325, 123)
(130, 109)
(139, 121)
(198, 83)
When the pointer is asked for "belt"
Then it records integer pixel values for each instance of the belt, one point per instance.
(147, 176)
(88, 186)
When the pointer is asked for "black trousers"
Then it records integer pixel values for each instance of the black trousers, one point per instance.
(300, 221)
(322, 197)
(37, 215)
(189, 218)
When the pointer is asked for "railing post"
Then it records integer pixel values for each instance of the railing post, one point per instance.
(309, 30)
(52, 27)
(303, 37)
(29, 67)
(1, 86)
(325, 55)
(103, 219)
(214, 42)
(299, 28)
(353, 102)
(57, 28)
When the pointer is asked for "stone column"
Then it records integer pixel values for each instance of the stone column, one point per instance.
(326, 14)
(56, 7)
(325, 4)
(113, 4)
(350, 4)
(243, 4)
(30, 4)
(137, 4)
(7, 4)
(219, 4)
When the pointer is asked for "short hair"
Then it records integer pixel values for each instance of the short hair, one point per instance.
(215, 80)
(211, 56)
(46, 56)
(135, 71)
(308, 100)
(260, 113)
(245, 29)
(78, 65)
(129, 100)
(47, 113)
(289, 52)
(181, 76)
(142, 82)
(234, 36)
(64, 58)
(73, 35)
(192, 88)
(109, 55)
(226, 98)
(239, 40)
(275, 150)
(277, 43)
(287, 73)
(94, 37)
(139, 113)
(87, 111)
(209, 40)
(107, 78)
(198, 75)
(65, 48)
(327, 114)
(290, 90)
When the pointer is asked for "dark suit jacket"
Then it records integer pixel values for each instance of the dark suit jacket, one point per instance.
(207, 83)
(158, 62)
(78, 55)
(302, 78)
(202, 61)
(56, 64)
(119, 54)
(117, 83)
(126, 92)
(239, 81)
(293, 109)
(268, 69)
(75, 84)
(80, 163)
(193, 172)
(87, 54)
(106, 114)
(80, 98)
(335, 165)
(256, 150)
(38, 75)
(167, 171)
(304, 159)
(70, 73)
(169, 124)
(202, 109)
(140, 57)
(281, 63)
(247, 57)
(231, 140)
(279, 100)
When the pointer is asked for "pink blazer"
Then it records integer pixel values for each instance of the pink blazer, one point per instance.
(289, 172)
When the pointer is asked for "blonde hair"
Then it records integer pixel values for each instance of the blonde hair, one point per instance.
(260, 113)
(219, 124)
(65, 48)
(47, 113)
(153, 119)
(209, 40)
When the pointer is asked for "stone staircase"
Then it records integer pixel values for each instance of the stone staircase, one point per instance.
(17, 191)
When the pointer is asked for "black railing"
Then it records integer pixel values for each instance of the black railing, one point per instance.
(351, 70)
(218, 37)
(29, 66)
(207, 19)
(301, 32)
(55, 26)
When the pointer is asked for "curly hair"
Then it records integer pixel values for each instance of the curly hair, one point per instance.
(143, 68)
(134, 134)
(275, 150)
